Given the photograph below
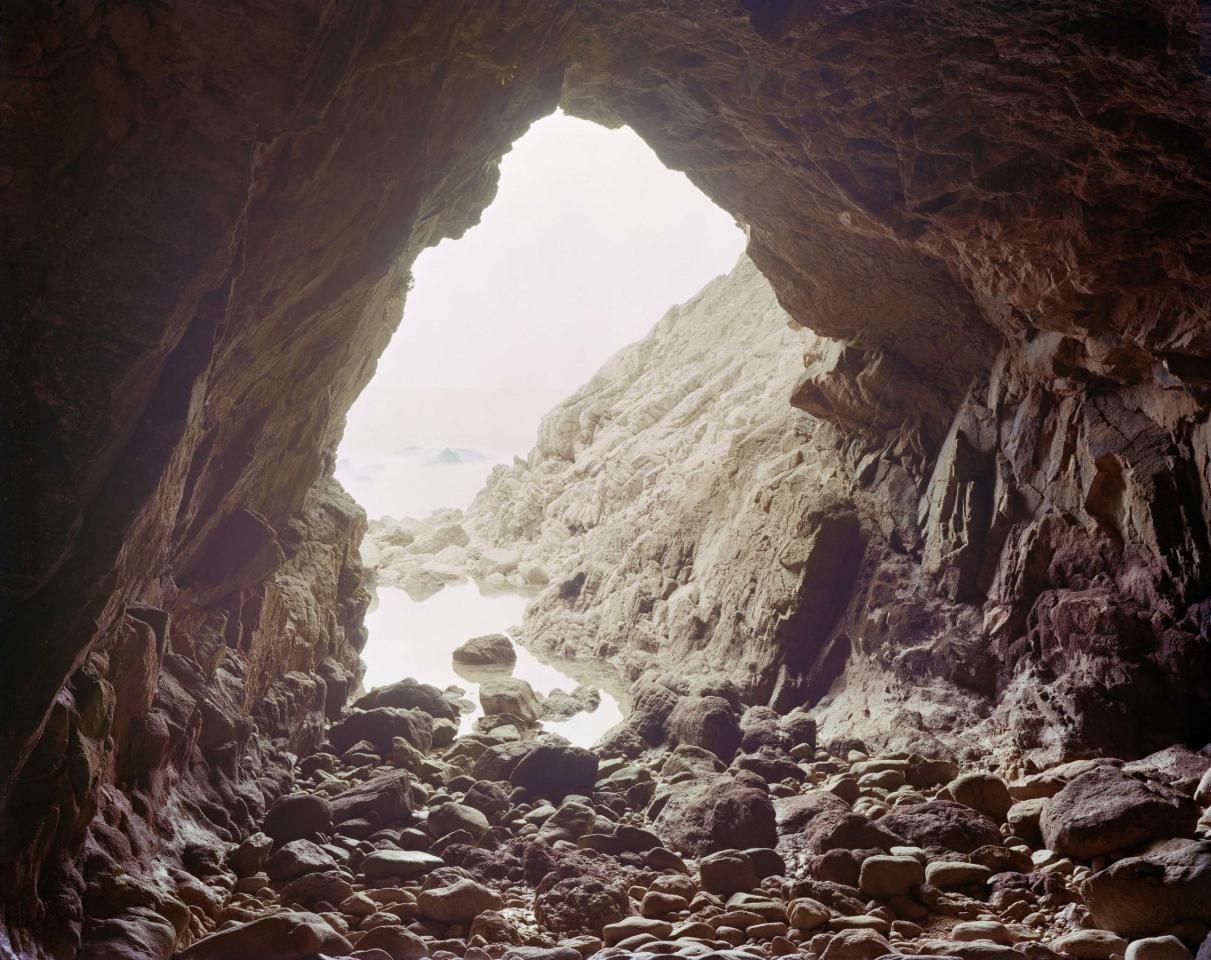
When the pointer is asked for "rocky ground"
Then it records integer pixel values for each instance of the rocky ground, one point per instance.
(696, 828)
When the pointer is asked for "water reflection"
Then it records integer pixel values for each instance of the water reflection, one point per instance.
(410, 638)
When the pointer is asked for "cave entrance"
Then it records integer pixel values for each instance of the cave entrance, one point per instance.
(590, 239)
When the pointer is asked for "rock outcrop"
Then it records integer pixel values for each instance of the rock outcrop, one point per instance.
(998, 212)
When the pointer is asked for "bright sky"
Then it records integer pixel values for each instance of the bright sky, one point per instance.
(589, 240)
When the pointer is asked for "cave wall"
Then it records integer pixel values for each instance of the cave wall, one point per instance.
(210, 209)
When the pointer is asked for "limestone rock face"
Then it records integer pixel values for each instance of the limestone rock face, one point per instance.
(998, 214)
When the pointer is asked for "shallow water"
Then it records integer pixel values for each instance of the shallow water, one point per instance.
(410, 638)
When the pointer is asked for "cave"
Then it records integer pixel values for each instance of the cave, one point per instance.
(976, 577)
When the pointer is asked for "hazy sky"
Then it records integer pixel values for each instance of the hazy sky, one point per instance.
(589, 241)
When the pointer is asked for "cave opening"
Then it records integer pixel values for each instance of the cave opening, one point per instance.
(588, 241)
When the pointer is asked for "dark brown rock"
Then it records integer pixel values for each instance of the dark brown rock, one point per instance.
(716, 813)
(942, 824)
(1145, 896)
(297, 817)
(290, 935)
(555, 770)
(1106, 811)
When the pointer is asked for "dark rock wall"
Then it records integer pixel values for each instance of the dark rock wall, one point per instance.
(209, 211)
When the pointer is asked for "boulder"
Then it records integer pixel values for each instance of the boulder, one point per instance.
(447, 817)
(942, 824)
(298, 816)
(948, 874)
(889, 876)
(1106, 811)
(384, 798)
(707, 722)
(490, 650)
(380, 726)
(406, 864)
(984, 792)
(489, 798)
(296, 858)
(716, 813)
(1158, 948)
(856, 944)
(1145, 896)
(395, 940)
(512, 697)
(459, 902)
(728, 871)
(1090, 945)
(555, 770)
(408, 694)
(288, 935)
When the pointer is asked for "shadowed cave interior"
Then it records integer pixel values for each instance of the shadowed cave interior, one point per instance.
(898, 533)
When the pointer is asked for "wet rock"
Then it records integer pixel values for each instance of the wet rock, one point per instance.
(297, 817)
(406, 864)
(1106, 810)
(716, 813)
(289, 935)
(492, 650)
(408, 694)
(512, 697)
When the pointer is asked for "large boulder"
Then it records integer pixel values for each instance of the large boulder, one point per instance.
(512, 697)
(383, 799)
(555, 770)
(408, 694)
(298, 816)
(707, 722)
(716, 813)
(942, 824)
(1145, 896)
(818, 821)
(380, 726)
(459, 902)
(296, 858)
(985, 792)
(289, 935)
(1106, 811)
(490, 650)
